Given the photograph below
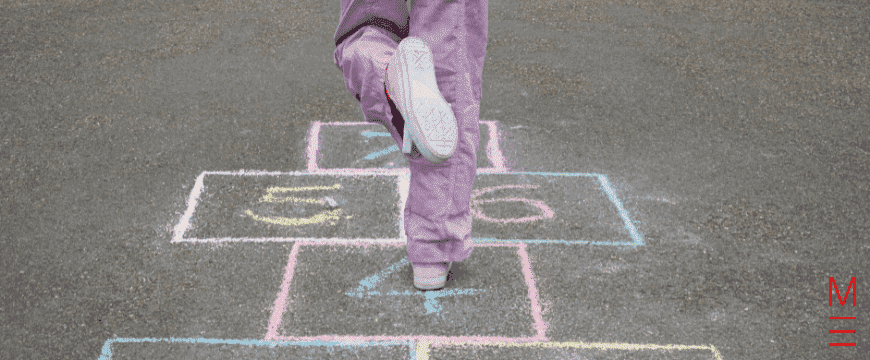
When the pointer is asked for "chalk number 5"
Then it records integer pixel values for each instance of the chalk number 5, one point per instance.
(323, 216)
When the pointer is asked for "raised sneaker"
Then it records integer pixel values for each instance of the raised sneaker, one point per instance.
(429, 120)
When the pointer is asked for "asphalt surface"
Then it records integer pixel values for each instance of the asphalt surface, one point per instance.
(734, 135)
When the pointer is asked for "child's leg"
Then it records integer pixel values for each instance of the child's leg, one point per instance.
(367, 35)
(437, 213)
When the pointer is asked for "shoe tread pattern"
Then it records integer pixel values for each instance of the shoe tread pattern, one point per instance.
(421, 58)
(437, 124)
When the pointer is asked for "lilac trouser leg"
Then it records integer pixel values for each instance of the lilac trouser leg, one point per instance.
(437, 213)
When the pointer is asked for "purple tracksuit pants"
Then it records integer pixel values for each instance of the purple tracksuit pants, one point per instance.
(437, 212)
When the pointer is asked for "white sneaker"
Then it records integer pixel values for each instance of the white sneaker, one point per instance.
(429, 121)
(431, 276)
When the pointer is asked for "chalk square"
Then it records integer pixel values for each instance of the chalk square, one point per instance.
(488, 295)
(338, 145)
(293, 206)
(559, 207)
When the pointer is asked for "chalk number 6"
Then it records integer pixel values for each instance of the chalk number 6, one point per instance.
(546, 212)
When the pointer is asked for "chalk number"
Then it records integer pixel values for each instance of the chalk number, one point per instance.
(323, 216)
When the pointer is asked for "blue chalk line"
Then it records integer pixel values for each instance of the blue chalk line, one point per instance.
(107, 346)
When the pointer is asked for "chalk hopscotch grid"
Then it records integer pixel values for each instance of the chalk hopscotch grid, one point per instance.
(403, 184)
(419, 346)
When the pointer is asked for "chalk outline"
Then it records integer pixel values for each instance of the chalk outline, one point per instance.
(418, 348)
(403, 183)
(281, 304)
(107, 346)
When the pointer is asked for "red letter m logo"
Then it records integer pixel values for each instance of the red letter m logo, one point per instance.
(832, 286)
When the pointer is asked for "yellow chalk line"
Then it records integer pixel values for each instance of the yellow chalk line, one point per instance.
(270, 196)
(423, 347)
(332, 215)
(305, 188)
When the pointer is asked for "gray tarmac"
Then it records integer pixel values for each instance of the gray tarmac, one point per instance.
(734, 134)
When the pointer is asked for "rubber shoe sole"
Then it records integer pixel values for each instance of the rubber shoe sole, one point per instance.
(429, 120)
(430, 276)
